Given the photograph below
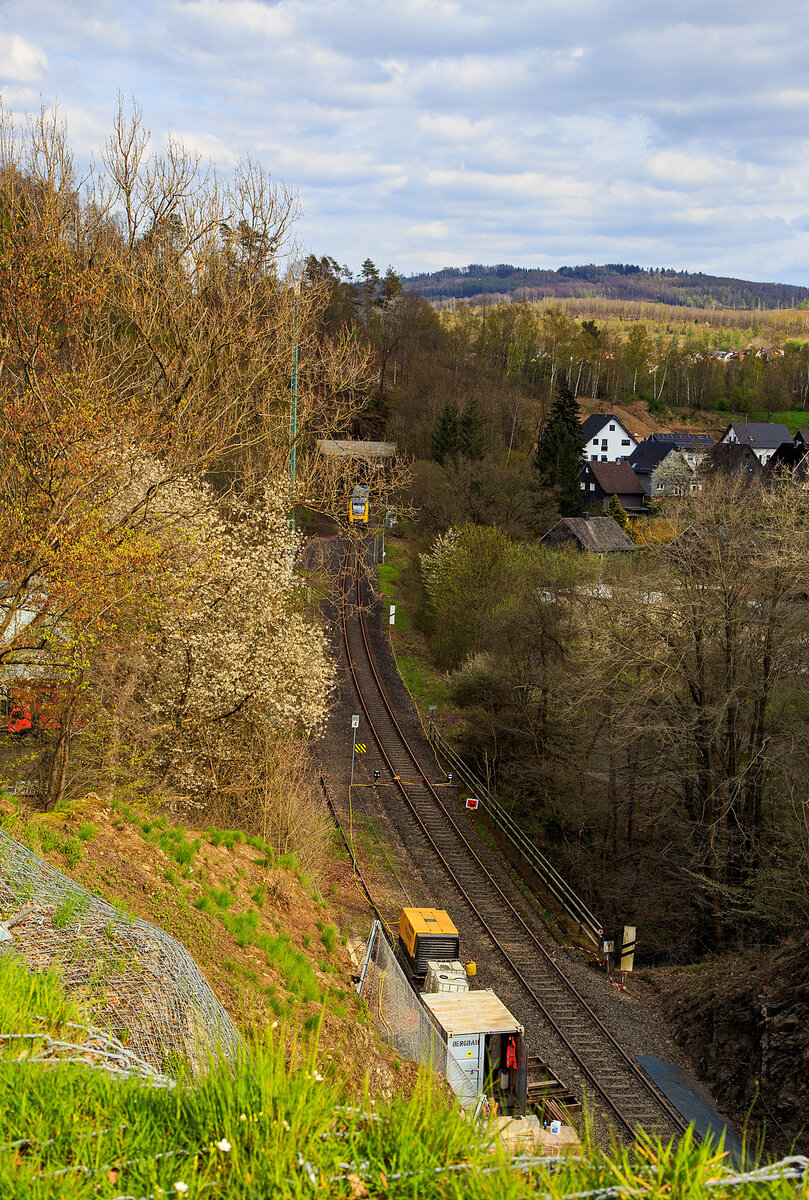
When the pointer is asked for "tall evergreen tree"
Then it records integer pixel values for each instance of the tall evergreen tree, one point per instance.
(471, 433)
(617, 511)
(444, 439)
(559, 455)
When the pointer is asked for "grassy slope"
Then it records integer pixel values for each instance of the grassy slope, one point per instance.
(425, 684)
(270, 947)
(264, 1130)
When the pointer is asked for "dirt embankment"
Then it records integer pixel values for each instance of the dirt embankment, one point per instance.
(270, 943)
(743, 1022)
(641, 423)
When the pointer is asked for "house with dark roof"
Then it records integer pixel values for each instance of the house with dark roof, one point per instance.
(791, 458)
(596, 535)
(693, 445)
(763, 437)
(605, 439)
(662, 469)
(601, 481)
(732, 459)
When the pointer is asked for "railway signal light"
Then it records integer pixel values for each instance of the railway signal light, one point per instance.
(376, 775)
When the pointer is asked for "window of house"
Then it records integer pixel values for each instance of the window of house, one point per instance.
(660, 487)
(593, 458)
(592, 487)
(624, 441)
(583, 486)
(612, 429)
(595, 441)
(604, 443)
(603, 458)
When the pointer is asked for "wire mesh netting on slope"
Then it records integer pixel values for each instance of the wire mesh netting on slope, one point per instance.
(139, 982)
(401, 1020)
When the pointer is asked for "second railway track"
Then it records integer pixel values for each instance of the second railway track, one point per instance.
(542, 997)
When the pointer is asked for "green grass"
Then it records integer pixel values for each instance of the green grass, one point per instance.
(295, 967)
(424, 682)
(48, 840)
(73, 851)
(176, 845)
(214, 899)
(226, 837)
(328, 937)
(68, 909)
(88, 831)
(265, 1129)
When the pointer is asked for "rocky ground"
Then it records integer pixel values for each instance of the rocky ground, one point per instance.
(743, 1024)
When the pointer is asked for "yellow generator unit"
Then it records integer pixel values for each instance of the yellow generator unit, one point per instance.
(425, 934)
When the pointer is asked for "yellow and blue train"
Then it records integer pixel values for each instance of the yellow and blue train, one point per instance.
(358, 505)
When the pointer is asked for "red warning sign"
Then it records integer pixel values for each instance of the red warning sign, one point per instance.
(472, 802)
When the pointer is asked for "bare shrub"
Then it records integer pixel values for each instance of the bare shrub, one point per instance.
(275, 796)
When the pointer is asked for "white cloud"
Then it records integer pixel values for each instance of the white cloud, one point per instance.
(21, 61)
(431, 230)
(473, 130)
(680, 169)
(208, 146)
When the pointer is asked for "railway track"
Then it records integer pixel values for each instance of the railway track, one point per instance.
(542, 997)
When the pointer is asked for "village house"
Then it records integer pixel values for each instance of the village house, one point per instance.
(693, 445)
(663, 470)
(732, 459)
(596, 535)
(763, 437)
(600, 481)
(605, 439)
(791, 457)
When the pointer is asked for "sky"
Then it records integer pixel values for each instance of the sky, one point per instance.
(428, 134)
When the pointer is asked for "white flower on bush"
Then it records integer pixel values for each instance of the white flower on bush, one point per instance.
(223, 1145)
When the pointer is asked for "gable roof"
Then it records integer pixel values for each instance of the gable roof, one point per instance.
(593, 425)
(601, 535)
(352, 448)
(681, 440)
(649, 455)
(732, 457)
(789, 457)
(765, 435)
(616, 478)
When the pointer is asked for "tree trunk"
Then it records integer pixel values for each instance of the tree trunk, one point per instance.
(59, 765)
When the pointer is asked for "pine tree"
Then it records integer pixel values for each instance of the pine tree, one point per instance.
(471, 433)
(559, 455)
(444, 439)
(616, 510)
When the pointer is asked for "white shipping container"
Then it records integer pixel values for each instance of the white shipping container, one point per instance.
(465, 1066)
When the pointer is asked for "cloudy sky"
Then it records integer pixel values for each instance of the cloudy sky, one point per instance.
(425, 133)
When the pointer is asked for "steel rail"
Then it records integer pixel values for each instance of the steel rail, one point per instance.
(624, 1058)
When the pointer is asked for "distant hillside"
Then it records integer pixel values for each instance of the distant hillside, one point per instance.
(615, 281)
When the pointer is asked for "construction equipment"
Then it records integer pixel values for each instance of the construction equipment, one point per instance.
(426, 934)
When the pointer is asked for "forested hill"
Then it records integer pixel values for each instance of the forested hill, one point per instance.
(615, 281)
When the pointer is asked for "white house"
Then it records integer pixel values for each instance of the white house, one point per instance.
(763, 437)
(605, 439)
